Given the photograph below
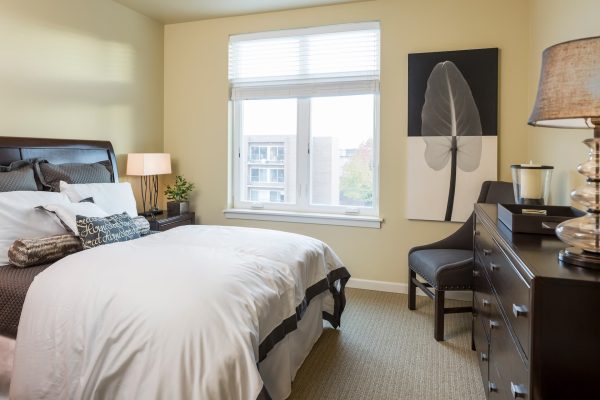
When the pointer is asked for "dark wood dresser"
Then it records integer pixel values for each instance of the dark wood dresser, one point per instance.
(536, 321)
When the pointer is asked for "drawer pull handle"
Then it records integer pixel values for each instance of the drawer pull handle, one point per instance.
(494, 324)
(485, 303)
(492, 386)
(483, 356)
(518, 391)
(487, 252)
(519, 311)
(494, 267)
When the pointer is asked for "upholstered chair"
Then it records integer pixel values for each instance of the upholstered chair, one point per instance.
(448, 264)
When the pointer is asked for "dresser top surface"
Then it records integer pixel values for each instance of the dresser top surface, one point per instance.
(538, 253)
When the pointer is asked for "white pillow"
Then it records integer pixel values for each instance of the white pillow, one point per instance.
(113, 198)
(20, 220)
(68, 213)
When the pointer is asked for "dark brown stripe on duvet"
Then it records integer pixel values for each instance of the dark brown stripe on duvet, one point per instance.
(339, 297)
(290, 324)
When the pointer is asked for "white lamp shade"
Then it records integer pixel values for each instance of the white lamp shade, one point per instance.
(144, 164)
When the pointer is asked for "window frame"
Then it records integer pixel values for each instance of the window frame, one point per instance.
(302, 88)
(303, 167)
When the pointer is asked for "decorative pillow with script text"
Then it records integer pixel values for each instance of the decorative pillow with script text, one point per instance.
(97, 231)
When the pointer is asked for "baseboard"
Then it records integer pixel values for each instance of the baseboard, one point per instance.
(398, 287)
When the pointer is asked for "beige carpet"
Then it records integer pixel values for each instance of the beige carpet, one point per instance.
(383, 351)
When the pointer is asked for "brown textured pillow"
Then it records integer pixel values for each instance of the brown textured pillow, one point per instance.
(50, 174)
(18, 176)
(30, 252)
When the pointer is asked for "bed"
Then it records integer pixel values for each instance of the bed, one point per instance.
(197, 312)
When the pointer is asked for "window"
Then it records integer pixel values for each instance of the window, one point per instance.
(263, 153)
(258, 153)
(258, 175)
(277, 175)
(276, 153)
(305, 119)
(273, 196)
(276, 196)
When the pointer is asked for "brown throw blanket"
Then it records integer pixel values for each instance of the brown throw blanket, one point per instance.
(14, 283)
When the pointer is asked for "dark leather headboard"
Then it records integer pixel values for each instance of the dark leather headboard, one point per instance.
(57, 151)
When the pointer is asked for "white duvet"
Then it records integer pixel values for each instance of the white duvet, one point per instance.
(176, 315)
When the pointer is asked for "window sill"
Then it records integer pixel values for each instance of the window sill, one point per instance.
(304, 218)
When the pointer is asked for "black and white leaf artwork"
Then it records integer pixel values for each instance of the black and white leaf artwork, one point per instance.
(451, 126)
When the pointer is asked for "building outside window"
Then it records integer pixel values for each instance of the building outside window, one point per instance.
(306, 119)
(277, 175)
(261, 195)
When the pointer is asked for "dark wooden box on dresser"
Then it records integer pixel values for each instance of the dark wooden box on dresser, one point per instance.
(536, 321)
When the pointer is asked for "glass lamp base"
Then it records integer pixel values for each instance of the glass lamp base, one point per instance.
(584, 232)
(579, 257)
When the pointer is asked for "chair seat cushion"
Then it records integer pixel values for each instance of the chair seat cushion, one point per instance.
(444, 269)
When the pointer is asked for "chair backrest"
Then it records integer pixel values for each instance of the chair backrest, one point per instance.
(493, 192)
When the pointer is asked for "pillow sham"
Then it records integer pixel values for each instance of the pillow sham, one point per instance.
(67, 213)
(94, 231)
(114, 198)
(19, 218)
(17, 176)
(30, 252)
(50, 175)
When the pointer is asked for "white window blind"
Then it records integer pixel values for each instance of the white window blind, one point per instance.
(316, 56)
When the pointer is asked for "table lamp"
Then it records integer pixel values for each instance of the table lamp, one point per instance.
(148, 166)
(569, 97)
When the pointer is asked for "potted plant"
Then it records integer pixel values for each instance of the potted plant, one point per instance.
(178, 196)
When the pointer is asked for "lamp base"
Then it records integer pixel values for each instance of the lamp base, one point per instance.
(151, 213)
(579, 257)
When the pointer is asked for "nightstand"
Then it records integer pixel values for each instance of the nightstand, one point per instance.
(165, 222)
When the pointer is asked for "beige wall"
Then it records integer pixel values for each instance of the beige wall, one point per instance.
(94, 70)
(196, 109)
(81, 69)
(555, 21)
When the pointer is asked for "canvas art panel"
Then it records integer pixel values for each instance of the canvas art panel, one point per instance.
(452, 131)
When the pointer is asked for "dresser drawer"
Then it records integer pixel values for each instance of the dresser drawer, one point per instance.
(482, 291)
(484, 244)
(494, 389)
(482, 349)
(511, 289)
(513, 296)
(512, 375)
(483, 298)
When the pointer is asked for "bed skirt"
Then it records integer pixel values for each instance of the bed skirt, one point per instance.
(282, 353)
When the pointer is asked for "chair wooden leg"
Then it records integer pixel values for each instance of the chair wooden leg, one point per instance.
(438, 332)
(412, 289)
(473, 334)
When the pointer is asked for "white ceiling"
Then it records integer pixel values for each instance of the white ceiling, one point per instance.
(173, 11)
